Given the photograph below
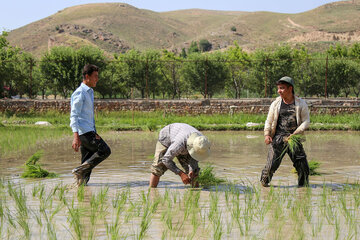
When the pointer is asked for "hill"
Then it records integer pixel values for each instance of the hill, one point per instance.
(117, 27)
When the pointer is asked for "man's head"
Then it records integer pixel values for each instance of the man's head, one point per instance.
(90, 75)
(285, 86)
(198, 146)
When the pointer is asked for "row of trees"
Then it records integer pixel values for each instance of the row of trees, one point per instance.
(233, 73)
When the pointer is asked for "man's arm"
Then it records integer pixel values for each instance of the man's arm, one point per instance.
(305, 117)
(268, 123)
(76, 106)
(269, 120)
(76, 142)
(167, 160)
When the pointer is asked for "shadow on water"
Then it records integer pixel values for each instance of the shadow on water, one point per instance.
(175, 185)
(229, 187)
(332, 186)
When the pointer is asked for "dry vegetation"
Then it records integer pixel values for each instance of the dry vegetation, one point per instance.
(116, 27)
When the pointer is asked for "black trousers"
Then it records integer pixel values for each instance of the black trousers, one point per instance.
(93, 151)
(274, 158)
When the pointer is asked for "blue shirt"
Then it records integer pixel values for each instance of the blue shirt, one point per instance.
(82, 110)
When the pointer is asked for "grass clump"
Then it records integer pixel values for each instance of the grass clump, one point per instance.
(313, 165)
(207, 178)
(33, 168)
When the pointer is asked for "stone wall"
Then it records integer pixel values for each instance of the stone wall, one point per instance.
(225, 106)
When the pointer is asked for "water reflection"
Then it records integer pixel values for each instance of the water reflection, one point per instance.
(235, 156)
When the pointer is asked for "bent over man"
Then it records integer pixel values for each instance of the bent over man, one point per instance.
(288, 115)
(93, 148)
(187, 144)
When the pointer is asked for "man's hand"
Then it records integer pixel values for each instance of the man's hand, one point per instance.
(76, 142)
(286, 139)
(184, 178)
(268, 140)
(191, 175)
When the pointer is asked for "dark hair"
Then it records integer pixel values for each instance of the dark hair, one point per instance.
(89, 69)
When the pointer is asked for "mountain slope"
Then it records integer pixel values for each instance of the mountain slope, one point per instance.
(117, 27)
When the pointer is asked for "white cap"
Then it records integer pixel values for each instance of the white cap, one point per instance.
(198, 146)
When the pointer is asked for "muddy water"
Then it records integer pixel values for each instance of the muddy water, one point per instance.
(236, 156)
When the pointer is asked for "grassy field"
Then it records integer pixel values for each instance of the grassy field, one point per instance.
(18, 132)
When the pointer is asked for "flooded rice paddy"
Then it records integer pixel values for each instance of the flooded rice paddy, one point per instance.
(117, 203)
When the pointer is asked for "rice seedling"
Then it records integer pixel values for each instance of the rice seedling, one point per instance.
(22, 215)
(313, 166)
(317, 226)
(148, 210)
(32, 169)
(292, 144)
(118, 203)
(74, 219)
(81, 193)
(2, 214)
(224, 213)
(207, 178)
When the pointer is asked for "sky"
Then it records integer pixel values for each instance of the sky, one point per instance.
(18, 13)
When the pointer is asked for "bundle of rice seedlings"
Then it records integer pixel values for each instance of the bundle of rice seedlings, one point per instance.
(207, 178)
(313, 165)
(32, 169)
(293, 144)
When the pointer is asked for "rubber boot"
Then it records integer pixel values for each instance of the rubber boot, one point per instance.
(154, 180)
(80, 173)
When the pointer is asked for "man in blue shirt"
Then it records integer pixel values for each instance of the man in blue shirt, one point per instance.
(93, 148)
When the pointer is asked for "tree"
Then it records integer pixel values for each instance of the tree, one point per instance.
(61, 67)
(204, 45)
(183, 53)
(338, 52)
(206, 74)
(239, 63)
(60, 70)
(169, 67)
(270, 67)
(194, 48)
(9, 59)
(301, 71)
(341, 76)
(142, 71)
(25, 81)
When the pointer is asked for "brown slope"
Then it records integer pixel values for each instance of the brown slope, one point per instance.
(116, 27)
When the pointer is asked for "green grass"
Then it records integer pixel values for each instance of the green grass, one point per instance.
(14, 139)
(19, 133)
